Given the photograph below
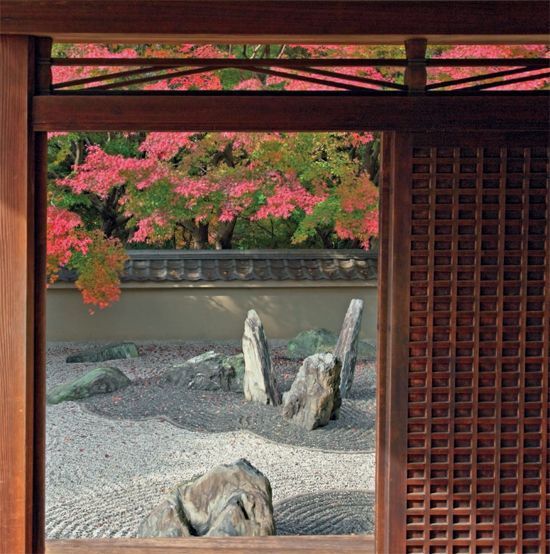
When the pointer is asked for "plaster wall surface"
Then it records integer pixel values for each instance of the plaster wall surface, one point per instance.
(211, 311)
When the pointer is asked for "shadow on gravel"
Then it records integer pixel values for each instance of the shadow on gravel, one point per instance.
(215, 412)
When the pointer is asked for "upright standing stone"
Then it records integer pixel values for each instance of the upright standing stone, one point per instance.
(259, 382)
(314, 398)
(348, 341)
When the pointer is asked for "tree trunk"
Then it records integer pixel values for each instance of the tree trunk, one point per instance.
(199, 237)
(224, 237)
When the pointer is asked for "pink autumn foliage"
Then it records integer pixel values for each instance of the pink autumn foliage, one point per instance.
(493, 51)
(288, 195)
(65, 236)
(164, 146)
(62, 73)
(228, 197)
(146, 226)
(101, 172)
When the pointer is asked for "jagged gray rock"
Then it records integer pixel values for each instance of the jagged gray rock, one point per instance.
(230, 500)
(168, 519)
(259, 382)
(347, 345)
(98, 381)
(210, 371)
(314, 398)
(115, 351)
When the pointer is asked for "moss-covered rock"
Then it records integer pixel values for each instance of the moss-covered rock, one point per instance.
(237, 363)
(98, 381)
(321, 341)
(210, 371)
(115, 351)
(312, 341)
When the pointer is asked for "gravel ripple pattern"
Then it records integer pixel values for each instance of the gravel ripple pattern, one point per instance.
(104, 475)
(326, 513)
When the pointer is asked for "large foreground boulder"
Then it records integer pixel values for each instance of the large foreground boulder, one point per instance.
(230, 500)
(115, 351)
(210, 371)
(314, 398)
(98, 381)
(347, 345)
(259, 381)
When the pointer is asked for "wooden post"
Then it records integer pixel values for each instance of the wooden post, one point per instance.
(416, 75)
(396, 225)
(22, 211)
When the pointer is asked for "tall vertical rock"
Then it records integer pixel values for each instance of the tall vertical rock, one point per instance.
(259, 382)
(348, 342)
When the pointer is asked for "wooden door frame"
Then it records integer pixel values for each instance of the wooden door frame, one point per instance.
(26, 115)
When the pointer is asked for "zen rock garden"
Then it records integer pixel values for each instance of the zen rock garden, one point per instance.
(304, 394)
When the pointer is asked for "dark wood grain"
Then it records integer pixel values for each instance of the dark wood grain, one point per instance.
(288, 112)
(16, 299)
(399, 213)
(416, 74)
(38, 201)
(382, 451)
(38, 319)
(277, 20)
(231, 545)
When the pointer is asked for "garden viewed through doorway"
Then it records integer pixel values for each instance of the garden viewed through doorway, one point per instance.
(211, 225)
(47, 116)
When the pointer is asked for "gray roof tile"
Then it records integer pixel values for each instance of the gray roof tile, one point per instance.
(246, 265)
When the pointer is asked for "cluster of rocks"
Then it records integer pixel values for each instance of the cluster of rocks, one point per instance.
(99, 380)
(236, 499)
(324, 378)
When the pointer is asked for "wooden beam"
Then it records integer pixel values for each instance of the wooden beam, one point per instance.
(224, 545)
(331, 21)
(289, 112)
(21, 304)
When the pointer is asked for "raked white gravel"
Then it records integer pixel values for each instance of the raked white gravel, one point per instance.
(103, 476)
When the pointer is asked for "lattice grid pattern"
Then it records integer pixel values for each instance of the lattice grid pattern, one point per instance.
(477, 437)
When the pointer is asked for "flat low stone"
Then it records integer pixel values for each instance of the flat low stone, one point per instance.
(314, 397)
(230, 500)
(210, 371)
(114, 351)
(98, 381)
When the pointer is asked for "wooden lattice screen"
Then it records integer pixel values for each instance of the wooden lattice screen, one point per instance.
(465, 318)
